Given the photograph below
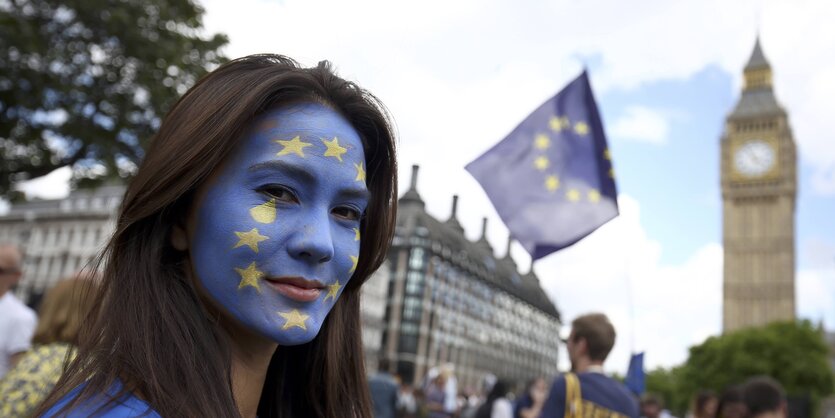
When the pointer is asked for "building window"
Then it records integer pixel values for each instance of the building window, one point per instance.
(414, 283)
(411, 308)
(416, 259)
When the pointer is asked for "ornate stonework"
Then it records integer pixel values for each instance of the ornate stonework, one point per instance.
(759, 178)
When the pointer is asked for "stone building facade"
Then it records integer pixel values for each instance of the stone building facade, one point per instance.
(759, 193)
(452, 300)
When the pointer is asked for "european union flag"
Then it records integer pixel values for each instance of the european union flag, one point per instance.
(635, 378)
(551, 180)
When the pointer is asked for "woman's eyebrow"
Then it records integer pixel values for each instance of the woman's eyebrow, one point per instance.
(356, 194)
(284, 167)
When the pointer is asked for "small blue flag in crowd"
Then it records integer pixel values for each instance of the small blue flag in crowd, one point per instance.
(551, 180)
(635, 379)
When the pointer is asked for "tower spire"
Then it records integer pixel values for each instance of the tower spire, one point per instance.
(757, 59)
(758, 70)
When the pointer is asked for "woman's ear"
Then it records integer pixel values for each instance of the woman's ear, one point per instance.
(179, 238)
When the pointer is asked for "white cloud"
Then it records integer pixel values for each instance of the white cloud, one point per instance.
(641, 124)
(815, 295)
(816, 283)
(656, 308)
(462, 74)
(54, 185)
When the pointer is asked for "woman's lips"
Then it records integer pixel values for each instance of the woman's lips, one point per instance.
(297, 288)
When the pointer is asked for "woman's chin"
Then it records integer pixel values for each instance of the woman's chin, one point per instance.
(294, 337)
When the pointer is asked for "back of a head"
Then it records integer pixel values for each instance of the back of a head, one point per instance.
(598, 332)
(499, 390)
(383, 365)
(704, 403)
(732, 403)
(762, 395)
(10, 266)
(63, 310)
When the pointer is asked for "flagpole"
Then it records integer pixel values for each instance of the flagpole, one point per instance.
(630, 301)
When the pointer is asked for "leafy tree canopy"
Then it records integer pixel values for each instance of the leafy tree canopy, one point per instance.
(84, 83)
(666, 384)
(794, 353)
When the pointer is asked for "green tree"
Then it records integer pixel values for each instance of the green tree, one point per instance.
(84, 83)
(794, 353)
(666, 383)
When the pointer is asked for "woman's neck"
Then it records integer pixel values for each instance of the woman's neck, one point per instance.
(251, 355)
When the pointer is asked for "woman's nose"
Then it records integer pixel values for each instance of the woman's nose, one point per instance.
(313, 241)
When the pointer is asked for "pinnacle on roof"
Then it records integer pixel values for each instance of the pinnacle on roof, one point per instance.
(482, 240)
(757, 59)
(412, 195)
(453, 218)
(507, 257)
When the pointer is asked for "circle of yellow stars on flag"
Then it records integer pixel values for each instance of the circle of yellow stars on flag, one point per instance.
(542, 142)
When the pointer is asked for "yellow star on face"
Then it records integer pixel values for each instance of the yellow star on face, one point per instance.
(264, 213)
(542, 141)
(594, 196)
(581, 128)
(356, 234)
(294, 319)
(541, 163)
(250, 239)
(612, 173)
(334, 149)
(360, 172)
(573, 195)
(332, 291)
(354, 261)
(552, 183)
(606, 154)
(293, 146)
(250, 276)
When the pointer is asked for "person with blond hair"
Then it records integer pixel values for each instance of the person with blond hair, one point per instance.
(61, 313)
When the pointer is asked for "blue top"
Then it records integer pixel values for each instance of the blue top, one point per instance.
(600, 393)
(384, 393)
(523, 402)
(128, 406)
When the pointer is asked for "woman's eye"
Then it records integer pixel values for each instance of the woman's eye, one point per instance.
(347, 212)
(281, 194)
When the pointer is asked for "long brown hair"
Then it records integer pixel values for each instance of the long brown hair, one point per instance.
(150, 329)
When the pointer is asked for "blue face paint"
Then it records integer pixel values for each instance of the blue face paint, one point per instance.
(276, 234)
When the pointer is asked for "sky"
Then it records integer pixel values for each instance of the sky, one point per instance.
(457, 76)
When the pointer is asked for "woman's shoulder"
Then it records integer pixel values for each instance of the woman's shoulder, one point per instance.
(105, 405)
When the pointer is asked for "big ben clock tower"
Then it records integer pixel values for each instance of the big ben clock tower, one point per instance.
(759, 178)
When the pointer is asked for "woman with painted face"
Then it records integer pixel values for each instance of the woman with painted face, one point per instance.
(231, 284)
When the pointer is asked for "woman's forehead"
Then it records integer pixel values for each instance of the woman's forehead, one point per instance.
(304, 119)
(307, 131)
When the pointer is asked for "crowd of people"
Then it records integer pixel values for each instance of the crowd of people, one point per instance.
(585, 391)
(33, 355)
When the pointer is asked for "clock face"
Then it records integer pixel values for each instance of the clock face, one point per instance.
(754, 158)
